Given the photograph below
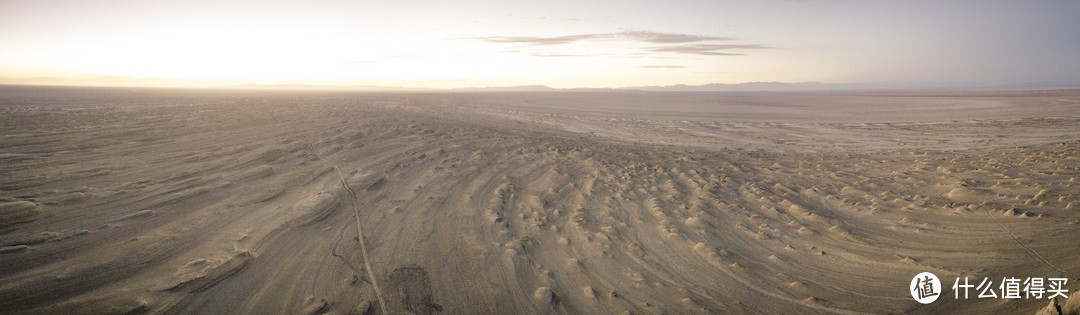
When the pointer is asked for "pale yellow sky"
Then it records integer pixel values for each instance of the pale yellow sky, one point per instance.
(559, 44)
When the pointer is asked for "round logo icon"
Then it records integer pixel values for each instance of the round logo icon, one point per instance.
(925, 288)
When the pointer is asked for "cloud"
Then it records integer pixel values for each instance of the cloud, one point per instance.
(538, 40)
(707, 49)
(641, 36)
(562, 55)
(668, 38)
(662, 67)
(651, 44)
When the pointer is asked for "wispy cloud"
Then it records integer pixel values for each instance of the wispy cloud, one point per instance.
(642, 36)
(538, 40)
(708, 49)
(662, 67)
(652, 44)
(562, 55)
(668, 38)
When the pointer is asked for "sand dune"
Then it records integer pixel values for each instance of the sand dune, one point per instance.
(117, 201)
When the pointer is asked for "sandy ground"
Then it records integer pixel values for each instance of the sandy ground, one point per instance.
(186, 201)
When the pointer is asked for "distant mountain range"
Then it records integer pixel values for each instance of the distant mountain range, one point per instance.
(818, 86)
(748, 86)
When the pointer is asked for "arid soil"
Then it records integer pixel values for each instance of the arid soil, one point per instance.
(588, 202)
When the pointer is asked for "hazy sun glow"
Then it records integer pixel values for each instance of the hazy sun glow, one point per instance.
(560, 44)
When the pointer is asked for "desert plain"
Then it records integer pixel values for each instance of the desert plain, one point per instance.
(124, 201)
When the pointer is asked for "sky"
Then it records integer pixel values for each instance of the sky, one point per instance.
(561, 44)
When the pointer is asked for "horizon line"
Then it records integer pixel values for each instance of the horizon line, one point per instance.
(752, 86)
